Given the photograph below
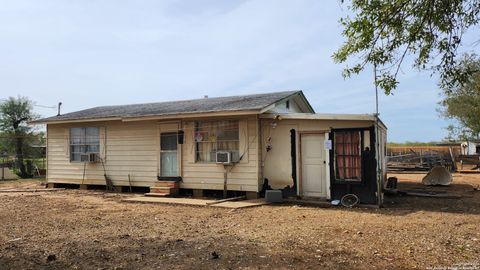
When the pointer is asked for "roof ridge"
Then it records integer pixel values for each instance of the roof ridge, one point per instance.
(196, 99)
(254, 103)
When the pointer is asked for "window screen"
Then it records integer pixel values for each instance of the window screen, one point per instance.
(211, 137)
(83, 141)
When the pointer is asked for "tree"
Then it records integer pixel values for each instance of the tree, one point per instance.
(385, 32)
(462, 103)
(15, 113)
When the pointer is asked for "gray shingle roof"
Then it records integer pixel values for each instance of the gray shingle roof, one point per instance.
(254, 102)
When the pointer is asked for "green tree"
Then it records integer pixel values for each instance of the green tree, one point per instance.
(383, 33)
(15, 113)
(462, 102)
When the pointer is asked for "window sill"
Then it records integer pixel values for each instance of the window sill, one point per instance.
(169, 178)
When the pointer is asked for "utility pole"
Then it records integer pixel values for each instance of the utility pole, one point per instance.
(379, 172)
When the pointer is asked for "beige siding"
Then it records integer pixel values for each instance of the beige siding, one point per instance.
(282, 107)
(127, 148)
(133, 148)
(243, 176)
(276, 165)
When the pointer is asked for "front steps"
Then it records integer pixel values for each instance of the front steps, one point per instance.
(163, 189)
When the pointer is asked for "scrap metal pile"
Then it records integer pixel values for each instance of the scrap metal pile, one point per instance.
(423, 160)
(469, 163)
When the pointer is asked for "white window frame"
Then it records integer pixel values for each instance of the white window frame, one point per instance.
(85, 142)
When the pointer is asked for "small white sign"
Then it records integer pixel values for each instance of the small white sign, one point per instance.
(328, 145)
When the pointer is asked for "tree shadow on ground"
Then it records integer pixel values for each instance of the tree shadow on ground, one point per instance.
(126, 252)
(468, 201)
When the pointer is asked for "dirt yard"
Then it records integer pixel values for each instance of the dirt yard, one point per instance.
(77, 229)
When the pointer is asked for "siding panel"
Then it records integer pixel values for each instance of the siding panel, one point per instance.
(133, 148)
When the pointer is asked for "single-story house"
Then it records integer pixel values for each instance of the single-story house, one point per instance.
(470, 148)
(242, 143)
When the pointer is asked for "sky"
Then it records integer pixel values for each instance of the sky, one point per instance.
(89, 53)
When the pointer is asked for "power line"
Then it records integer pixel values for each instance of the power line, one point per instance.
(43, 106)
(36, 105)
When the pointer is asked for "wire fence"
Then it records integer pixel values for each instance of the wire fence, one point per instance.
(34, 166)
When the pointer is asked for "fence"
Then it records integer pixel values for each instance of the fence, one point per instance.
(421, 158)
(35, 166)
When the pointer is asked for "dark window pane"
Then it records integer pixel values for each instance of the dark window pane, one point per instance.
(75, 157)
(77, 135)
(168, 141)
(93, 148)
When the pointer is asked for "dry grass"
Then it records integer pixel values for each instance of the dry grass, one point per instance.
(92, 229)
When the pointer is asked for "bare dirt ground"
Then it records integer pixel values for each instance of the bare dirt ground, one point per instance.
(76, 229)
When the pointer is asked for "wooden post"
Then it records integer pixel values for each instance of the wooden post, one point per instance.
(225, 175)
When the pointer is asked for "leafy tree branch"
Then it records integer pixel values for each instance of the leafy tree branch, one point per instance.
(385, 32)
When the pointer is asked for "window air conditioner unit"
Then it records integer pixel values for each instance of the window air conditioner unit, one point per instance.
(227, 157)
(223, 157)
(84, 157)
(93, 157)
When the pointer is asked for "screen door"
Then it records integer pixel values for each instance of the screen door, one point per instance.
(168, 154)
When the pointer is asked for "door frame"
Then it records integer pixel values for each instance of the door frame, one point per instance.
(167, 127)
(326, 134)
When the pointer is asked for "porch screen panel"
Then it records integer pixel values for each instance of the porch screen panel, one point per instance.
(348, 158)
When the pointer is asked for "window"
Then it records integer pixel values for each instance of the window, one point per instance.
(348, 157)
(83, 141)
(213, 136)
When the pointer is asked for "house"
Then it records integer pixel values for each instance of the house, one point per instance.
(465, 148)
(469, 148)
(272, 140)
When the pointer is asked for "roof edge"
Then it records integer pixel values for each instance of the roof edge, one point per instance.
(151, 117)
(324, 116)
(44, 121)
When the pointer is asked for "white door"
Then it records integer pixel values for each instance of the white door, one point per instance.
(314, 160)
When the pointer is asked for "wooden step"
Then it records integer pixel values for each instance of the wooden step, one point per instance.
(156, 194)
(170, 184)
(165, 190)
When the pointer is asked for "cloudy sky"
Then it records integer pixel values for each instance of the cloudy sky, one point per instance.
(90, 53)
